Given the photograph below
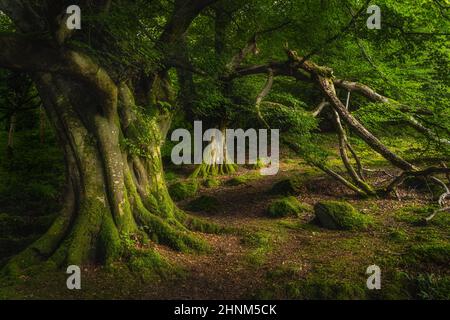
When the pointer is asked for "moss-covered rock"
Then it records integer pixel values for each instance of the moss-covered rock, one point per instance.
(204, 203)
(284, 207)
(286, 187)
(337, 215)
(183, 190)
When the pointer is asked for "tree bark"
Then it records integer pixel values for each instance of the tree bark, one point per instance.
(113, 191)
(111, 142)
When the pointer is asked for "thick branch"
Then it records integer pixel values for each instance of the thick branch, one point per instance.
(184, 13)
(30, 55)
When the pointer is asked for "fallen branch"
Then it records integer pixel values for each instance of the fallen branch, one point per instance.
(419, 173)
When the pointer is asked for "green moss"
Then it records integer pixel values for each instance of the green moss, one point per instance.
(110, 248)
(258, 165)
(283, 283)
(196, 224)
(286, 187)
(241, 180)
(284, 207)
(435, 253)
(87, 226)
(211, 170)
(337, 215)
(211, 183)
(170, 176)
(183, 190)
(173, 235)
(260, 244)
(415, 215)
(204, 203)
(398, 235)
(325, 289)
(148, 264)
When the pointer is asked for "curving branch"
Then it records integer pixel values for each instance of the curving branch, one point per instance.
(343, 146)
(419, 173)
(185, 11)
(35, 56)
(265, 91)
(322, 105)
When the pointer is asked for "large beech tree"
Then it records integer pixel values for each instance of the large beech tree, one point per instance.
(110, 127)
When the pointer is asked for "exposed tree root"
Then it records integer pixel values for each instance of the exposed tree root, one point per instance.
(205, 170)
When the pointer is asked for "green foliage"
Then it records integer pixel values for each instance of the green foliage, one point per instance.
(284, 207)
(398, 235)
(31, 180)
(204, 203)
(431, 286)
(170, 176)
(339, 215)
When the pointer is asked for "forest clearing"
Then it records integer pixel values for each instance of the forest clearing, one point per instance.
(209, 149)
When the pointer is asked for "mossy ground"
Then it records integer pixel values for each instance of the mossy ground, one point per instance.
(243, 179)
(254, 256)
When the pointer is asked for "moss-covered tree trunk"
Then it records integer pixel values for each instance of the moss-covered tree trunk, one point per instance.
(110, 126)
(115, 181)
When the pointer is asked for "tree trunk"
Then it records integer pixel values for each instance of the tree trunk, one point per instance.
(115, 181)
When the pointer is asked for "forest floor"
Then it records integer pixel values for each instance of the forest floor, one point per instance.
(287, 258)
